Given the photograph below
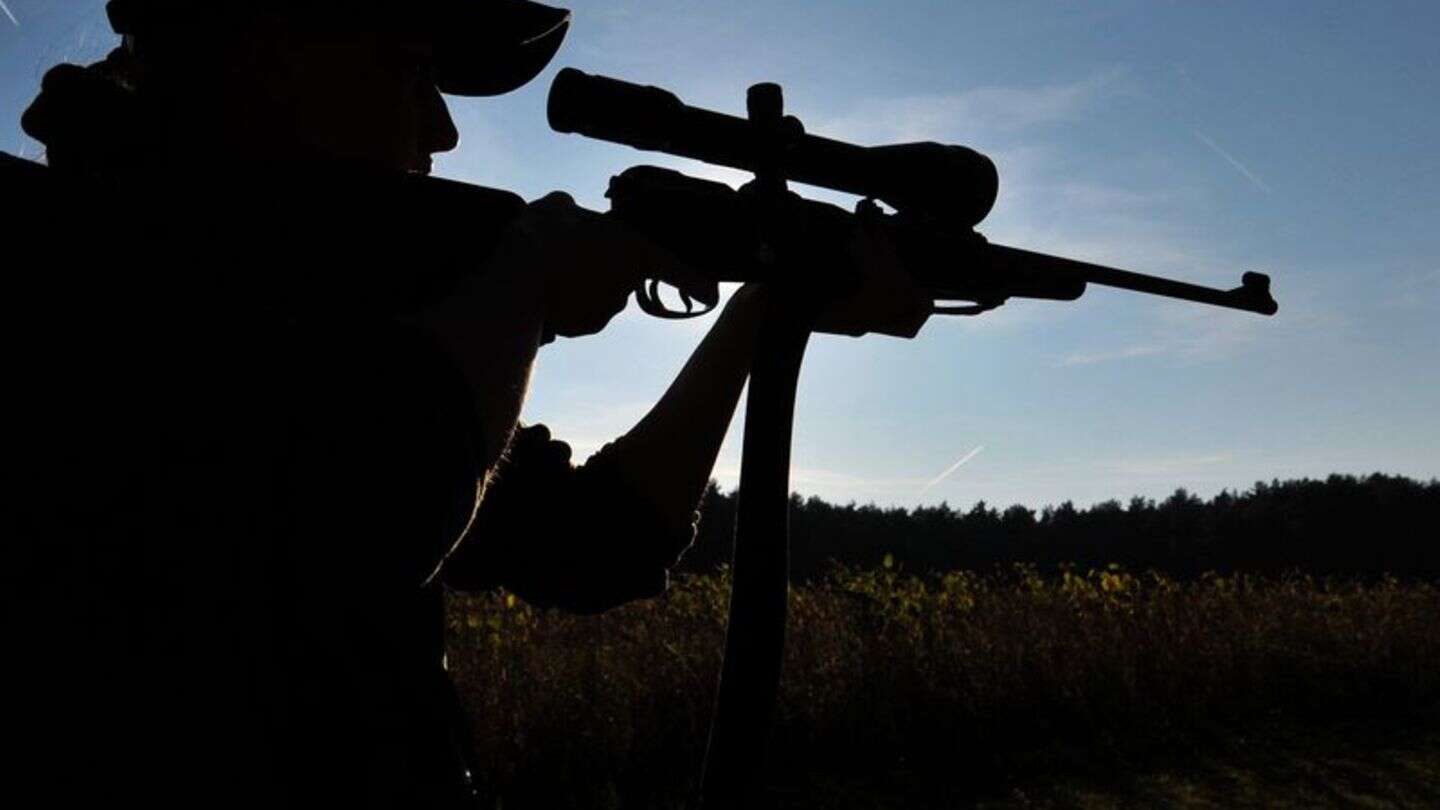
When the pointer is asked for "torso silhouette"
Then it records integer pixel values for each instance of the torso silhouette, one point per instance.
(234, 471)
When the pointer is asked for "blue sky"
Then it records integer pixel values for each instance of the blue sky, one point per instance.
(1187, 139)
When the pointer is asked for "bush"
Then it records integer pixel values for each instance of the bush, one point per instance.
(964, 676)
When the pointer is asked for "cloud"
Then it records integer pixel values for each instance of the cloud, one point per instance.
(1169, 466)
(6, 9)
(952, 468)
(833, 484)
(986, 115)
(971, 114)
(1045, 206)
(837, 486)
(1232, 160)
(587, 428)
(1092, 358)
(1418, 290)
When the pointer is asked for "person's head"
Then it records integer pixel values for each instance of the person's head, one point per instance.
(285, 80)
(276, 90)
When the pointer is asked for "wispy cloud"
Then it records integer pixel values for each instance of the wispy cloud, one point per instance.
(993, 113)
(1087, 359)
(1046, 207)
(1232, 160)
(8, 13)
(831, 484)
(1184, 73)
(961, 117)
(948, 470)
(587, 428)
(1169, 466)
(1205, 334)
(840, 486)
(1419, 290)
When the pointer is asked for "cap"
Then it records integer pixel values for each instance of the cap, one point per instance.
(482, 47)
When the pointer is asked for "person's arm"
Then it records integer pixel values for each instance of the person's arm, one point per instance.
(591, 537)
(668, 456)
(644, 488)
(491, 327)
(559, 270)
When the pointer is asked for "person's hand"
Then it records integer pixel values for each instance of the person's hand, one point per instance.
(885, 298)
(578, 539)
(589, 262)
(603, 545)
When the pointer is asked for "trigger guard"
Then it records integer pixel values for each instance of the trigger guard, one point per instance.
(647, 296)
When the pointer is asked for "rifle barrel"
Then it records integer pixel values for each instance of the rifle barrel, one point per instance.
(1253, 294)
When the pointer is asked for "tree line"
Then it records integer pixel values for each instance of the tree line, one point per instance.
(1344, 525)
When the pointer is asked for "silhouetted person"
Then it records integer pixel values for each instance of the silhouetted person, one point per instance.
(260, 384)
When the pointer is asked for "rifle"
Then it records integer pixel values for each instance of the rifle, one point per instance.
(939, 193)
(764, 232)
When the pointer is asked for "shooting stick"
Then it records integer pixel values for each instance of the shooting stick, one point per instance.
(755, 638)
(760, 570)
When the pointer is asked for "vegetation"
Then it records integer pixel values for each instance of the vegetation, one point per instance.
(1347, 526)
(946, 688)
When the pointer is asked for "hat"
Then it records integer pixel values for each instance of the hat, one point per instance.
(482, 47)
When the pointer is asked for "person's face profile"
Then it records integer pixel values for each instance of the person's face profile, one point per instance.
(364, 96)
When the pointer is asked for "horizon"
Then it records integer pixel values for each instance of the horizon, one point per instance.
(1295, 139)
(1124, 502)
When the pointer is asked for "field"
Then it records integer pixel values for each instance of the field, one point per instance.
(1012, 689)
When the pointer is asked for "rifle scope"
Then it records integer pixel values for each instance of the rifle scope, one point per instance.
(952, 183)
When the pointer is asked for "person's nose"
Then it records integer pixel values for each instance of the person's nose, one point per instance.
(438, 132)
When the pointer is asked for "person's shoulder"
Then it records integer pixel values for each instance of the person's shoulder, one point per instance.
(20, 174)
(453, 197)
(27, 187)
(39, 201)
(61, 224)
(24, 180)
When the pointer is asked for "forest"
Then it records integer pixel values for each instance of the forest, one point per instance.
(1343, 525)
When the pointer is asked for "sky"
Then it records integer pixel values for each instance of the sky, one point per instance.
(1195, 140)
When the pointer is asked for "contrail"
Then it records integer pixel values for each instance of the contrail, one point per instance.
(952, 468)
(1229, 158)
(6, 9)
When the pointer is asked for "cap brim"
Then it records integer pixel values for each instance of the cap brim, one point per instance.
(495, 46)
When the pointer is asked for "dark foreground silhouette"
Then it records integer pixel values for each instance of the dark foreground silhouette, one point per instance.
(269, 373)
(242, 431)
